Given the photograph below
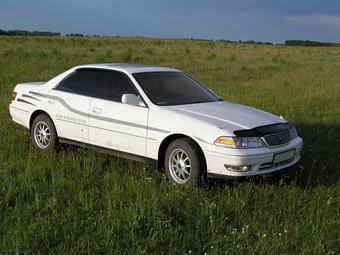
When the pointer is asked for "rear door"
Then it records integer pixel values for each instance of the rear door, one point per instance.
(69, 104)
(112, 124)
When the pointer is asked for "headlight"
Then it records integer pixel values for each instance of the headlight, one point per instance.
(240, 142)
(293, 133)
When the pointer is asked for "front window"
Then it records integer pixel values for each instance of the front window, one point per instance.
(173, 88)
(112, 85)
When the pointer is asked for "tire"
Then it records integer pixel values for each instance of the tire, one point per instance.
(43, 133)
(183, 162)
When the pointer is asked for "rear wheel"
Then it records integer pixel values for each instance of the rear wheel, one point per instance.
(183, 164)
(43, 133)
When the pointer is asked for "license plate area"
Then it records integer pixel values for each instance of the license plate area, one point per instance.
(284, 157)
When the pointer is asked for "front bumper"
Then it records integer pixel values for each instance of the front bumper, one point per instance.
(259, 161)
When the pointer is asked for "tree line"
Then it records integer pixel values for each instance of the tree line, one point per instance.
(17, 32)
(309, 43)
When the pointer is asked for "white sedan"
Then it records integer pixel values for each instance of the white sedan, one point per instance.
(157, 115)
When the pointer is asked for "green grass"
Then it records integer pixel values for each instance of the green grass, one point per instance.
(80, 201)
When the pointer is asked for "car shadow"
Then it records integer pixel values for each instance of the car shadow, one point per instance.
(319, 164)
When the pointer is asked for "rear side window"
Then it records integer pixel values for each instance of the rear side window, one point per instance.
(82, 82)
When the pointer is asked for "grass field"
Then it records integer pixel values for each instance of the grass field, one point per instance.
(80, 201)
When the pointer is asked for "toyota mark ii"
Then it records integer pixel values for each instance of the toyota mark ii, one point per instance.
(157, 115)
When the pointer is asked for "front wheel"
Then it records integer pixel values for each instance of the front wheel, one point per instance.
(43, 133)
(183, 164)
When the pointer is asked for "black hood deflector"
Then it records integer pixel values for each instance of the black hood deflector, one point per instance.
(264, 130)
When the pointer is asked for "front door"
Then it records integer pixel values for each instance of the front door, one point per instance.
(112, 124)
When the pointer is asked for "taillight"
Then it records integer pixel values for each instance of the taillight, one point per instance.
(14, 95)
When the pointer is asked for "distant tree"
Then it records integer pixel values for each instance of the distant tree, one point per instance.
(309, 43)
(80, 35)
(17, 32)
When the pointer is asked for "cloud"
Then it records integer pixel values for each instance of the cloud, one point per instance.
(316, 20)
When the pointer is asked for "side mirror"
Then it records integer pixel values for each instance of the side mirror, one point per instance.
(132, 99)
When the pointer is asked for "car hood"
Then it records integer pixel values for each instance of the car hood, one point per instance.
(226, 115)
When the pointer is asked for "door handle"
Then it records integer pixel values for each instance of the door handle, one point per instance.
(96, 111)
(51, 101)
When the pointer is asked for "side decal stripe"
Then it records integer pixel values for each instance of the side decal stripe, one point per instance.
(85, 114)
(37, 94)
(24, 101)
(28, 96)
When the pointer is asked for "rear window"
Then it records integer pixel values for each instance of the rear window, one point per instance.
(81, 82)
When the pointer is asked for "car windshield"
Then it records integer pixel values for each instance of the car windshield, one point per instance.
(173, 88)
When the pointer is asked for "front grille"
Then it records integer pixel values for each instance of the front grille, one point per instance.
(277, 139)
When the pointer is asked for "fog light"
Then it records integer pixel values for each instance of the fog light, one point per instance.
(237, 168)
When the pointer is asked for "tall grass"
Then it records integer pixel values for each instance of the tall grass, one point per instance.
(79, 201)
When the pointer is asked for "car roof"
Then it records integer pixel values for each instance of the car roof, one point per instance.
(129, 68)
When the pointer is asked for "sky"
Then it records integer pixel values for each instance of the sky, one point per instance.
(273, 21)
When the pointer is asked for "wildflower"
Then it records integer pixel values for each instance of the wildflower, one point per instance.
(329, 200)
